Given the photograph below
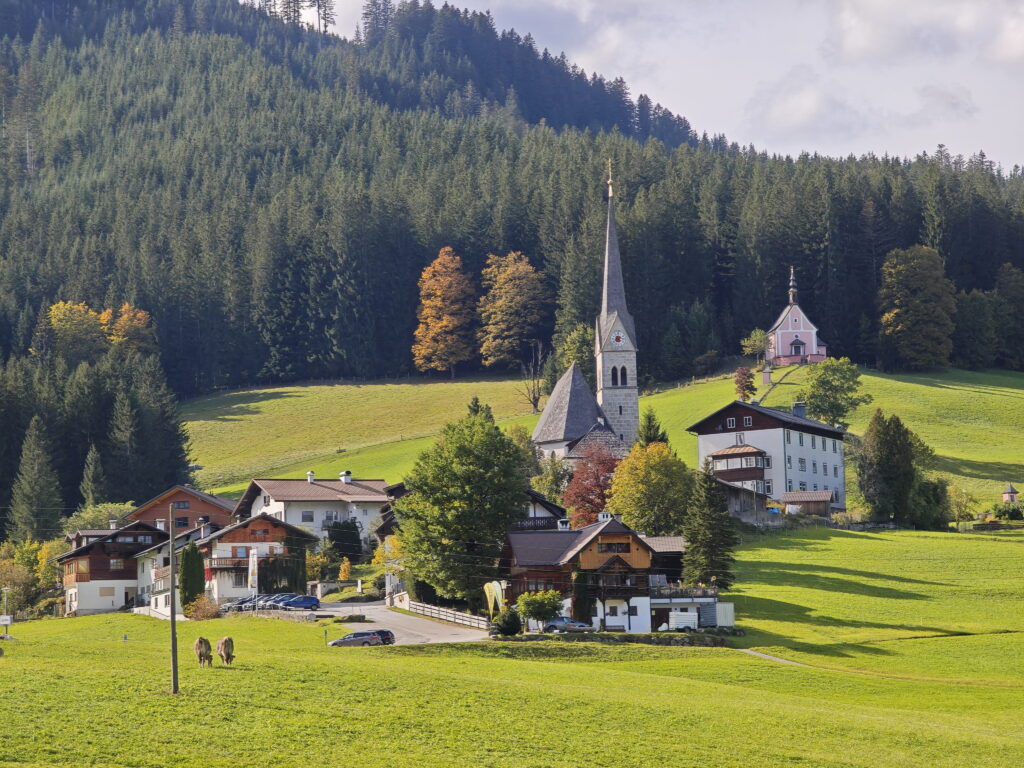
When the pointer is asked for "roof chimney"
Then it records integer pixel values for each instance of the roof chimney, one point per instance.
(310, 476)
(603, 517)
(112, 522)
(800, 409)
(345, 477)
(563, 524)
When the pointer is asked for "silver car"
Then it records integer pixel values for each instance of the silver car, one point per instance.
(357, 638)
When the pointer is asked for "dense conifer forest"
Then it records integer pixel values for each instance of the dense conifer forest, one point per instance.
(271, 195)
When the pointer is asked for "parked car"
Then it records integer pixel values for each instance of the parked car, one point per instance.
(387, 637)
(357, 638)
(302, 603)
(241, 604)
(566, 624)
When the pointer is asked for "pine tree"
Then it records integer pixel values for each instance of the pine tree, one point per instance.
(91, 487)
(191, 577)
(123, 450)
(511, 310)
(291, 11)
(36, 505)
(444, 335)
(650, 430)
(326, 15)
(975, 342)
(1010, 316)
(917, 305)
(710, 535)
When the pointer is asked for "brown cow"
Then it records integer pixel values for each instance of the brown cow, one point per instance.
(226, 650)
(203, 652)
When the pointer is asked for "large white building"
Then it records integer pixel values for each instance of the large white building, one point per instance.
(787, 456)
(314, 505)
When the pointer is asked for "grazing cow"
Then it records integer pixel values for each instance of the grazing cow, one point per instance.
(203, 652)
(226, 650)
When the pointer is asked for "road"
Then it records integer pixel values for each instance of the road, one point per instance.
(409, 630)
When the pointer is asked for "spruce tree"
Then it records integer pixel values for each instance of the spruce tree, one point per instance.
(191, 578)
(36, 504)
(123, 450)
(650, 430)
(91, 487)
(710, 534)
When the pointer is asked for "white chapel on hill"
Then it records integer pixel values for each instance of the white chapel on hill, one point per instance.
(574, 419)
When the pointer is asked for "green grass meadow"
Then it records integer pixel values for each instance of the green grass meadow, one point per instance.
(877, 621)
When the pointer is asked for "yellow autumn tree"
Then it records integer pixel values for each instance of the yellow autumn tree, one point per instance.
(511, 310)
(345, 569)
(76, 331)
(651, 490)
(129, 328)
(444, 336)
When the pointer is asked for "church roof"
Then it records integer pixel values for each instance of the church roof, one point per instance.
(570, 412)
(1010, 489)
(599, 435)
(613, 295)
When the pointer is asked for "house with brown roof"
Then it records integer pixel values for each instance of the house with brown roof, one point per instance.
(610, 576)
(180, 508)
(314, 505)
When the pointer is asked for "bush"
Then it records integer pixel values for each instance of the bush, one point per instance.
(379, 582)
(507, 623)
(202, 608)
(1005, 510)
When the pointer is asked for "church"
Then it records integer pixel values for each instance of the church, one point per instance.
(574, 420)
(794, 340)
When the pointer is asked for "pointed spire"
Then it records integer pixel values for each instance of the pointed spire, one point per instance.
(613, 296)
(792, 285)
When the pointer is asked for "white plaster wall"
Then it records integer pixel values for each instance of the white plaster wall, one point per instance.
(88, 600)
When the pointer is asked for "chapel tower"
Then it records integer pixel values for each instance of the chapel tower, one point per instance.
(615, 343)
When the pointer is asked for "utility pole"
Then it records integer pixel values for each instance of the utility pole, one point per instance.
(174, 610)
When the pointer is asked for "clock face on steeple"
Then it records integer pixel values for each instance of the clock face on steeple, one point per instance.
(618, 339)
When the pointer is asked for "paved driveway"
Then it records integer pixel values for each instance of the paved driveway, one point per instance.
(409, 630)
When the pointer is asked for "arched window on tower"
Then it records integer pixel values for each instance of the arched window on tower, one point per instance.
(615, 376)
(623, 380)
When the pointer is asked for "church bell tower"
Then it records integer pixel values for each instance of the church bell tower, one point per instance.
(615, 342)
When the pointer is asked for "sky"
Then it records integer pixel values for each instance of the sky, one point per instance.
(837, 77)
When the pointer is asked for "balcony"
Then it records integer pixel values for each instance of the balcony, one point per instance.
(535, 524)
(161, 573)
(227, 562)
(684, 592)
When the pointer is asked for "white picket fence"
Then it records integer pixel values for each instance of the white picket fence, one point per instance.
(446, 614)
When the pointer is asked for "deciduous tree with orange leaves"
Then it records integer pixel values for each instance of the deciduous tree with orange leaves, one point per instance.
(512, 309)
(444, 336)
(591, 482)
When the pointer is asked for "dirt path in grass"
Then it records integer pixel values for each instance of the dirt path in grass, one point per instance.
(778, 659)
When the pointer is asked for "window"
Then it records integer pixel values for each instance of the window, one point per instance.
(622, 377)
(615, 376)
(789, 436)
(238, 579)
(620, 410)
(835, 470)
(126, 539)
(814, 467)
(116, 564)
(800, 437)
(632, 610)
(106, 591)
(720, 464)
(833, 446)
(261, 532)
(266, 499)
(815, 486)
(307, 516)
(593, 610)
(613, 610)
(803, 465)
(145, 539)
(814, 442)
(181, 505)
(83, 566)
(613, 546)
(795, 319)
(181, 522)
(789, 485)
(748, 421)
(740, 438)
(789, 462)
(748, 461)
(768, 487)
(730, 423)
(825, 487)
(803, 486)
(239, 551)
(767, 462)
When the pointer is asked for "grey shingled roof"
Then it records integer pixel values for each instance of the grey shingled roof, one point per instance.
(1010, 489)
(599, 435)
(665, 544)
(570, 411)
(613, 296)
(798, 497)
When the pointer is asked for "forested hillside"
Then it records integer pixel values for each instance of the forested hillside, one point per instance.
(270, 195)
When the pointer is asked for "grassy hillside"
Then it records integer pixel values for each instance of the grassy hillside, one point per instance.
(886, 682)
(973, 420)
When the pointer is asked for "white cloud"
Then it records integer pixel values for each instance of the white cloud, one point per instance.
(1008, 45)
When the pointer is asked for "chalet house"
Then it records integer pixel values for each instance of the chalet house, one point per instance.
(622, 579)
(100, 571)
(774, 452)
(314, 505)
(181, 507)
(794, 339)
(225, 552)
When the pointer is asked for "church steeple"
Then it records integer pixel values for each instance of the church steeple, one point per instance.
(613, 295)
(792, 286)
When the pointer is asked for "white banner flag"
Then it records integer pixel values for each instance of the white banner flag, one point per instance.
(253, 569)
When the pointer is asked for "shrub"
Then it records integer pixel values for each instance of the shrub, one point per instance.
(507, 623)
(379, 582)
(1005, 510)
(540, 606)
(345, 570)
(202, 608)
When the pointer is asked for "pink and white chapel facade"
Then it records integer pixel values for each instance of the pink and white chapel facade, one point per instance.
(794, 339)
